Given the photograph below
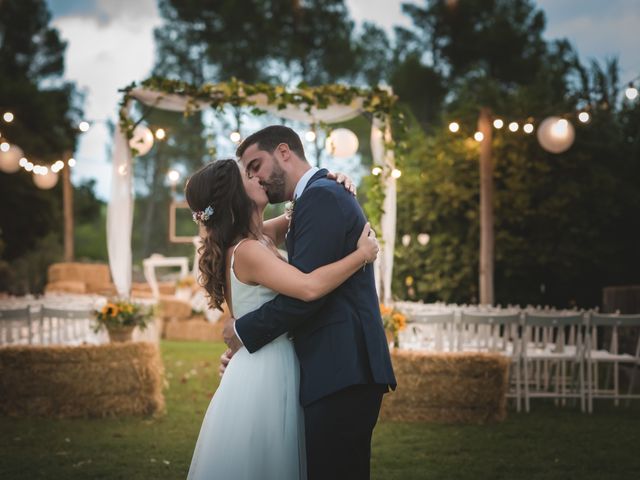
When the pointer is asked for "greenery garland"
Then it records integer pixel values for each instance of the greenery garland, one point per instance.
(376, 101)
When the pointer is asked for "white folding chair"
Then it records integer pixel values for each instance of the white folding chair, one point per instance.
(610, 356)
(12, 322)
(433, 331)
(551, 341)
(497, 332)
(66, 325)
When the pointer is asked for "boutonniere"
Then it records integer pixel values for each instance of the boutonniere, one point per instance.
(288, 209)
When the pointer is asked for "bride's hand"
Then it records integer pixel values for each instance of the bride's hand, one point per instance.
(368, 244)
(344, 180)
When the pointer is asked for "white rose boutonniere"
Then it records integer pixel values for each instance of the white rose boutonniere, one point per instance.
(288, 210)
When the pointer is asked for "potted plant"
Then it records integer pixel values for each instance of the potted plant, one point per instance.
(121, 317)
(394, 322)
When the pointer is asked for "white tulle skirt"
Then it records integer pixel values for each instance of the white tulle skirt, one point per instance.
(254, 426)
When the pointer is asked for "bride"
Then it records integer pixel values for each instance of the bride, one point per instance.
(254, 426)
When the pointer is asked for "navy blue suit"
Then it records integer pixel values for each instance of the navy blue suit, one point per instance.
(340, 342)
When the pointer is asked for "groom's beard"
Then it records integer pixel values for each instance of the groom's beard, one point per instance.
(275, 185)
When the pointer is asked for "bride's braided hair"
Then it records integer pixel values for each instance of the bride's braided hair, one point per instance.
(219, 185)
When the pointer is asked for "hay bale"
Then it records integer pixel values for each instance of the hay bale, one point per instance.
(173, 308)
(84, 381)
(95, 276)
(193, 329)
(66, 286)
(447, 387)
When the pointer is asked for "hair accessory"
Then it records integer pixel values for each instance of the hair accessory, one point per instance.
(202, 216)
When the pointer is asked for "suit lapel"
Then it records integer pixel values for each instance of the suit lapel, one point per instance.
(290, 233)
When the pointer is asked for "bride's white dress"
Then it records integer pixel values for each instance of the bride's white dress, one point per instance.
(254, 426)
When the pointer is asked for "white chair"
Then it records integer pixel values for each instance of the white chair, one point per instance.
(12, 322)
(496, 332)
(67, 326)
(610, 356)
(551, 342)
(433, 331)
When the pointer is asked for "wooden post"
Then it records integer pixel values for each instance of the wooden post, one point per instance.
(486, 209)
(67, 203)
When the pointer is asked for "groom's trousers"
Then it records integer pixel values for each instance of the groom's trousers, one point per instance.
(338, 433)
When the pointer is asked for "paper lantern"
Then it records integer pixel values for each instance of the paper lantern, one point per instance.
(45, 181)
(142, 139)
(10, 160)
(342, 143)
(556, 134)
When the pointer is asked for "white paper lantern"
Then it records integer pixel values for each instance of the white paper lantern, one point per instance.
(46, 181)
(142, 139)
(556, 134)
(342, 143)
(10, 160)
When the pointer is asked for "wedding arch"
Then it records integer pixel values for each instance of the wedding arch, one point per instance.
(326, 104)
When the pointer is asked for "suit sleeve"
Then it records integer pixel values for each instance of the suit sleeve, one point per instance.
(319, 240)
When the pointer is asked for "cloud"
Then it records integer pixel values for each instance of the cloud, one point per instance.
(102, 57)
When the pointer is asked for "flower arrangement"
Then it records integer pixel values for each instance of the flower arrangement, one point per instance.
(393, 321)
(122, 316)
(186, 282)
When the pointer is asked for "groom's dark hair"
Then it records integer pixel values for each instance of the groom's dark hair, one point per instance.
(270, 137)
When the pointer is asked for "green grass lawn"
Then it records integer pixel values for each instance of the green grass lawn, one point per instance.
(548, 443)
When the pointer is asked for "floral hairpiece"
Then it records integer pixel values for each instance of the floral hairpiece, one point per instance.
(202, 216)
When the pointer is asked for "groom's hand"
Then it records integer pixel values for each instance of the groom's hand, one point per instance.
(230, 337)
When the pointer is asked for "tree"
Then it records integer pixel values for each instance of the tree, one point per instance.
(46, 110)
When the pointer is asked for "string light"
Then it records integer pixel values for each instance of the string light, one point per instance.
(173, 176)
(478, 136)
(528, 127)
(4, 146)
(395, 173)
(8, 117)
(29, 166)
(161, 134)
(376, 171)
(498, 124)
(71, 162)
(513, 126)
(584, 117)
(454, 127)
(84, 126)
(23, 162)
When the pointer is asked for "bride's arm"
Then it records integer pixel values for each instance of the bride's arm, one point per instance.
(276, 228)
(255, 263)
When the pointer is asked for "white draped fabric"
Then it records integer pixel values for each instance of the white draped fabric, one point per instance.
(120, 209)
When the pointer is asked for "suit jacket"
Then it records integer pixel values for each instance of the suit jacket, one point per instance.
(339, 339)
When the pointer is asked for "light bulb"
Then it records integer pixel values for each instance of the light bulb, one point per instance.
(310, 136)
(235, 137)
(528, 127)
(395, 173)
(160, 134)
(8, 117)
(454, 127)
(513, 126)
(84, 126)
(478, 136)
(376, 171)
(631, 92)
(584, 117)
(497, 123)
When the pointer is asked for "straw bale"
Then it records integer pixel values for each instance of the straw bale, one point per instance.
(66, 286)
(174, 308)
(83, 381)
(95, 276)
(448, 387)
(193, 329)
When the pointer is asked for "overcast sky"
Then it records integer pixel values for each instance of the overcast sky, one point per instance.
(110, 44)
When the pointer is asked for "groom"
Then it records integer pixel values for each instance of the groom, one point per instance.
(345, 366)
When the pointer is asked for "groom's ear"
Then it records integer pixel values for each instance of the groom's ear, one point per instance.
(284, 152)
